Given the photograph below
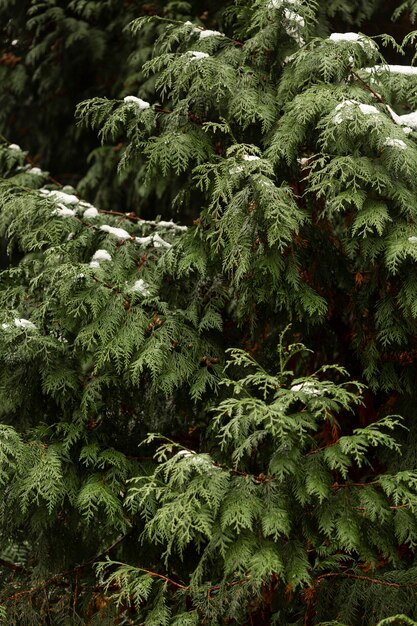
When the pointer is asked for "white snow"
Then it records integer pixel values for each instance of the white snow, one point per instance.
(196, 54)
(170, 225)
(366, 109)
(185, 453)
(15, 42)
(155, 239)
(204, 34)
(277, 4)
(292, 16)
(91, 212)
(20, 322)
(352, 37)
(94, 264)
(141, 287)
(236, 170)
(14, 146)
(45, 192)
(120, 233)
(251, 157)
(308, 388)
(66, 198)
(101, 255)
(395, 143)
(407, 130)
(36, 171)
(143, 241)
(158, 242)
(63, 211)
(412, 239)
(141, 104)
(409, 119)
(409, 70)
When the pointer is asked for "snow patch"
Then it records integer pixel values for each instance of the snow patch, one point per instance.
(63, 211)
(94, 264)
(395, 143)
(20, 322)
(353, 37)
(102, 255)
(204, 34)
(90, 213)
(366, 109)
(408, 70)
(141, 104)
(36, 171)
(412, 239)
(141, 287)
(196, 54)
(158, 242)
(251, 157)
(170, 225)
(409, 119)
(120, 233)
(185, 453)
(308, 388)
(14, 146)
(66, 198)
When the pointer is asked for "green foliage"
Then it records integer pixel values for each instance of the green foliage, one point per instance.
(269, 506)
(253, 172)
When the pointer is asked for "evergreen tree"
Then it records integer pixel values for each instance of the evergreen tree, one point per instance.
(267, 201)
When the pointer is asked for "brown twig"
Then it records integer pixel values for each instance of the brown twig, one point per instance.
(364, 578)
(58, 579)
(14, 567)
(368, 87)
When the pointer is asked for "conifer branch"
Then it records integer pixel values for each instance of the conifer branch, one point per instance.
(376, 581)
(58, 579)
(13, 567)
(376, 95)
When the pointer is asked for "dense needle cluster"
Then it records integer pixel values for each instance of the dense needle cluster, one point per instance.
(254, 193)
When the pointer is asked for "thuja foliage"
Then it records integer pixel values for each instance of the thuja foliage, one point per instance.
(266, 178)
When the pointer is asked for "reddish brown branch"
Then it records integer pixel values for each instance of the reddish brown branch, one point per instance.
(13, 567)
(368, 87)
(59, 579)
(364, 578)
